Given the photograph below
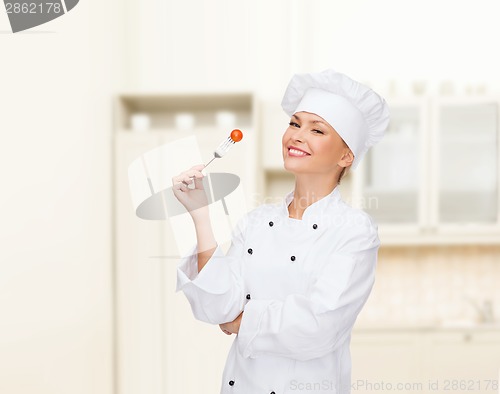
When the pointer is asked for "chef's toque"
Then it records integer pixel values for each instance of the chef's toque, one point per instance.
(358, 114)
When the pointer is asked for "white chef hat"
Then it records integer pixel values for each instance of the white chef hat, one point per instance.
(358, 114)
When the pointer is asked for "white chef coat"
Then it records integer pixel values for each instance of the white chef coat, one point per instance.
(301, 285)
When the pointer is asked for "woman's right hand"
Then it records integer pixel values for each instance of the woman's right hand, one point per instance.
(194, 200)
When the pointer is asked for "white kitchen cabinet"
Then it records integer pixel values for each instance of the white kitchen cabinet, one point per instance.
(160, 347)
(434, 177)
(425, 360)
(393, 172)
(465, 189)
(137, 273)
(387, 356)
(274, 124)
(462, 361)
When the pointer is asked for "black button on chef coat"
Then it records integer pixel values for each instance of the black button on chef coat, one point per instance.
(250, 251)
(292, 258)
(248, 296)
(231, 382)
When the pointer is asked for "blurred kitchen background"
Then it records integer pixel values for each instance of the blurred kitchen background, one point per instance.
(87, 289)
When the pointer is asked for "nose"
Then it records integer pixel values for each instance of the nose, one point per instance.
(298, 135)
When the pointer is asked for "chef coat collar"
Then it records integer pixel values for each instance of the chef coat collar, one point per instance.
(317, 208)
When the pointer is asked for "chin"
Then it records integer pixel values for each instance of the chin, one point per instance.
(295, 169)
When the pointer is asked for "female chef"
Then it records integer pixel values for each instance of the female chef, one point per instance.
(297, 273)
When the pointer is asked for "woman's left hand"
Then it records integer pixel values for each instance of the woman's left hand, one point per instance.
(232, 327)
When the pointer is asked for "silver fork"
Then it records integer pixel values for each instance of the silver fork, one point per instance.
(222, 149)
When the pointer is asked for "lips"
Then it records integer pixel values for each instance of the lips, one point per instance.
(293, 151)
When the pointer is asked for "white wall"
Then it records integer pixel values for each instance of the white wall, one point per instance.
(55, 204)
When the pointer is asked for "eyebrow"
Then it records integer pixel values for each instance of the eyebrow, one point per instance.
(314, 121)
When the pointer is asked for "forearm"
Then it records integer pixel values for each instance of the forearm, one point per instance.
(205, 240)
(217, 294)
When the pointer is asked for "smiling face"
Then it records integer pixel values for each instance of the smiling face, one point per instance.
(311, 145)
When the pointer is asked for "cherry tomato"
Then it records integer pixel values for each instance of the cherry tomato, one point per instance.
(236, 135)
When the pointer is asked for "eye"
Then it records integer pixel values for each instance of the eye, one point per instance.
(293, 124)
(318, 131)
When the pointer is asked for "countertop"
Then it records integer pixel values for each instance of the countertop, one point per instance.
(450, 326)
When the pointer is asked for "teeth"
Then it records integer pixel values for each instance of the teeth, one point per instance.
(297, 152)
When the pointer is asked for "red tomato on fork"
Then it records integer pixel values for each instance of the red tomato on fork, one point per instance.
(236, 135)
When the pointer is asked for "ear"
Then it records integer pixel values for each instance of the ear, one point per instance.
(347, 159)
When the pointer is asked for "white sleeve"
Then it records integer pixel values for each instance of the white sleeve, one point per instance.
(216, 293)
(308, 326)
